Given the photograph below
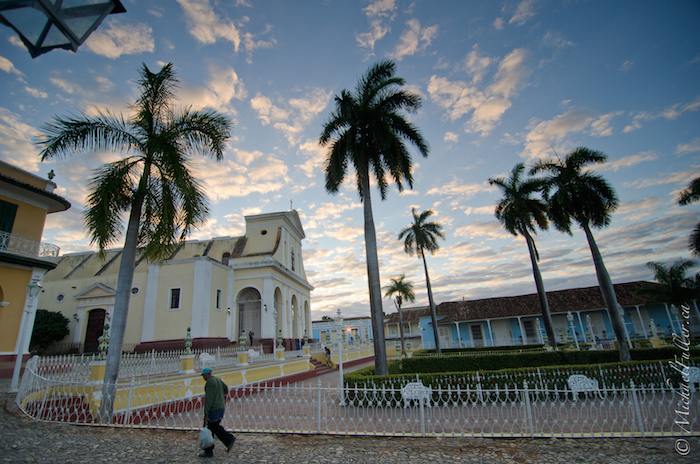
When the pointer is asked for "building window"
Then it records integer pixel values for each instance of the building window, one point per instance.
(292, 259)
(134, 290)
(218, 298)
(7, 216)
(174, 298)
(225, 258)
(60, 297)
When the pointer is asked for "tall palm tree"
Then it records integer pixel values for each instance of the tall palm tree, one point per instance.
(403, 290)
(689, 195)
(519, 212)
(586, 198)
(153, 183)
(419, 237)
(369, 131)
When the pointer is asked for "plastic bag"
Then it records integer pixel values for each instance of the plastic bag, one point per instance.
(206, 439)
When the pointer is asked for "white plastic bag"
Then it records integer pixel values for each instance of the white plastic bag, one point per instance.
(206, 439)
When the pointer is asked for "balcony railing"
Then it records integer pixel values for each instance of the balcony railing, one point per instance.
(22, 246)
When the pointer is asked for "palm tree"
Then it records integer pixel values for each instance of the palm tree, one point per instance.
(154, 183)
(675, 288)
(689, 195)
(404, 292)
(369, 130)
(419, 237)
(587, 199)
(519, 213)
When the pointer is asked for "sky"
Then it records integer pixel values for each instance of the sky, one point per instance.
(501, 82)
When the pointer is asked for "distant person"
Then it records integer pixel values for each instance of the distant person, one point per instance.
(329, 361)
(215, 391)
(250, 335)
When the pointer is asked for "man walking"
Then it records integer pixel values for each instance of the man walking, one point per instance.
(215, 391)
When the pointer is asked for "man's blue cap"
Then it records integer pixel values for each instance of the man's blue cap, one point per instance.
(206, 370)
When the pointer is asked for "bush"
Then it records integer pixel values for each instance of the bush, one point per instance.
(49, 327)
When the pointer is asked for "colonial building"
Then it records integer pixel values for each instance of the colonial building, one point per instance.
(254, 285)
(25, 200)
(517, 320)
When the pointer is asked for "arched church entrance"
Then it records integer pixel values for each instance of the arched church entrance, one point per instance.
(249, 305)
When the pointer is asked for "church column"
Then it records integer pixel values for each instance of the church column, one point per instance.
(267, 329)
(201, 299)
(150, 303)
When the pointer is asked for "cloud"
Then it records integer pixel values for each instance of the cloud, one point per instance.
(414, 39)
(627, 161)
(250, 173)
(451, 137)
(498, 24)
(670, 113)
(224, 86)
(679, 177)
(377, 12)
(487, 106)
(690, 147)
(523, 13)
(544, 135)
(601, 126)
(315, 156)
(208, 27)
(16, 141)
(121, 39)
(458, 188)
(489, 229)
(293, 115)
(7, 66)
(480, 210)
(266, 111)
(626, 66)
(36, 93)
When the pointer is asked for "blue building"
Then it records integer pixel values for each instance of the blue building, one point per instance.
(517, 320)
(355, 329)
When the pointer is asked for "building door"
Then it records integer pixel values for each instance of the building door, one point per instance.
(249, 313)
(95, 329)
(477, 335)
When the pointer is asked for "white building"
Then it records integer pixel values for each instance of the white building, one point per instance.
(219, 288)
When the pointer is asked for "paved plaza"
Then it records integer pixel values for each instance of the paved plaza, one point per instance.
(26, 441)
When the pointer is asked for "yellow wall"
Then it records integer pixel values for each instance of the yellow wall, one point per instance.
(14, 284)
(218, 317)
(169, 323)
(29, 220)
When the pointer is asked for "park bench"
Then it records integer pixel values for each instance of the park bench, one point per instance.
(693, 377)
(581, 383)
(415, 391)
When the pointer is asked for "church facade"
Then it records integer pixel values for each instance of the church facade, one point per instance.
(253, 285)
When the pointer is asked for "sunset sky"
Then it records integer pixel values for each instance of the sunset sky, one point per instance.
(501, 82)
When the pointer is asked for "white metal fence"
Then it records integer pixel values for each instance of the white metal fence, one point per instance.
(445, 412)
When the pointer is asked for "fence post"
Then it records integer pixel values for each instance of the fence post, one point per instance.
(422, 414)
(318, 406)
(530, 422)
(638, 411)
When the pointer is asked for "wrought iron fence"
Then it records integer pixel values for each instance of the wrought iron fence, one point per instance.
(524, 411)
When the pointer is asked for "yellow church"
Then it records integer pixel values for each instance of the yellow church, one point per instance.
(253, 285)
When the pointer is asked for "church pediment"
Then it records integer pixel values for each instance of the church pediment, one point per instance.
(96, 290)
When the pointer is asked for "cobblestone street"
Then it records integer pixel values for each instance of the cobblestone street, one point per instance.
(27, 441)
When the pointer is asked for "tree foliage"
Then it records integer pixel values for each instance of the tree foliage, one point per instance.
(49, 327)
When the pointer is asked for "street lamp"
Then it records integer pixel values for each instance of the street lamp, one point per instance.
(33, 289)
(341, 386)
(570, 317)
(44, 25)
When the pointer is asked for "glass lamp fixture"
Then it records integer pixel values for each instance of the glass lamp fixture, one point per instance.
(44, 25)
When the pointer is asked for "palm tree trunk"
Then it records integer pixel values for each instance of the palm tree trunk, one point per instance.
(403, 347)
(606, 288)
(375, 290)
(541, 293)
(121, 301)
(433, 315)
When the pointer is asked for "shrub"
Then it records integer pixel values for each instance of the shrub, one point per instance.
(49, 327)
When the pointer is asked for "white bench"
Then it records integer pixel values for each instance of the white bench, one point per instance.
(416, 391)
(693, 377)
(581, 383)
